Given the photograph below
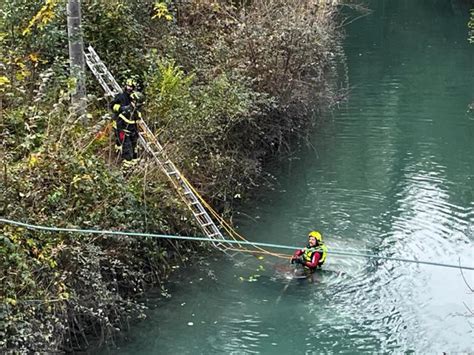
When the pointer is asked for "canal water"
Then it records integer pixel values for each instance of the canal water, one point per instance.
(390, 173)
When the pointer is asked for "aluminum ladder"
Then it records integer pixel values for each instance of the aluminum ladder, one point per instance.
(151, 145)
(102, 74)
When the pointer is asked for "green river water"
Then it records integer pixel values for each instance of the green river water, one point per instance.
(391, 173)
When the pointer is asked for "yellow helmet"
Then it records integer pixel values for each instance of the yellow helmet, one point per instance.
(137, 97)
(131, 82)
(316, 235)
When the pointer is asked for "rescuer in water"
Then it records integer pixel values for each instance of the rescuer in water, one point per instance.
(313, 255)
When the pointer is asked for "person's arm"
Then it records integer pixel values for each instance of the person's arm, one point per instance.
(115, 104)
(314, 260)
(118, 104)
(296, 255)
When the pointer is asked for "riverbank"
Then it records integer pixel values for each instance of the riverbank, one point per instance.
(227, 88)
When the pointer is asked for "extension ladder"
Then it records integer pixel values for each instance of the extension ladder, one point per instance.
(102, 74)
(151, 145)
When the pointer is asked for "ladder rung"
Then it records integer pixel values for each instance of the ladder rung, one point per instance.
(222, 247)
(151, 144)
(198, 209)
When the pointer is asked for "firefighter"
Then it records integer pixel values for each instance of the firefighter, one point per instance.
(313, 255)
(126, 108)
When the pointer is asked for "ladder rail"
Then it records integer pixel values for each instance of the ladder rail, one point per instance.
(185, 192)
(152, 146)
(107, 81)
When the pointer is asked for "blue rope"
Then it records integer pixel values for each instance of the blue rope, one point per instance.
(203, 239)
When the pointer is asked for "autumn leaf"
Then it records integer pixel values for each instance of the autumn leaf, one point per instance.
(34, 57)
(161, 11)
(33, 160)
(4, 80)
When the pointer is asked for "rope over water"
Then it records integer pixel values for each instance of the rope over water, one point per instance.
(204, 239)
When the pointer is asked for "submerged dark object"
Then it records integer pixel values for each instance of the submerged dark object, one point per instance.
(297, 272)
(290, 272)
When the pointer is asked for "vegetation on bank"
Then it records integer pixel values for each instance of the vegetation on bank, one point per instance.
(227, 85)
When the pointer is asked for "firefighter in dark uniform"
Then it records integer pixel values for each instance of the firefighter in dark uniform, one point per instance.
(126, 109)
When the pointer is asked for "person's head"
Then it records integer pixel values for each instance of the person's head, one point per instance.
(130, 85)
(315, 238)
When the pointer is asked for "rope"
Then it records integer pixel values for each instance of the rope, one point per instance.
(228, 228)
(203, 239)
(93, 58)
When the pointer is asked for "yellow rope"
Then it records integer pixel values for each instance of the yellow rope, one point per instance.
(223, 223)
(230, 230)
(263, 251)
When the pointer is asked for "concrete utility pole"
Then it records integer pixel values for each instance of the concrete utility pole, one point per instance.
(76, 57)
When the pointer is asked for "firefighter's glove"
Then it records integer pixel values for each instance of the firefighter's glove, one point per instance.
(300, 261)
